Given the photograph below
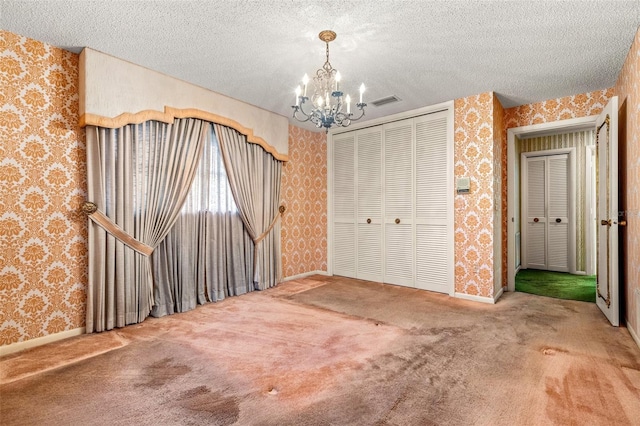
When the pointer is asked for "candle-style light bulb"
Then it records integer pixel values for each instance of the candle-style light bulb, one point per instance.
(327, 96)
(305, 81)
(338, 78)
(361, 91)
(298, 92)
(320, 102)
(348, 99)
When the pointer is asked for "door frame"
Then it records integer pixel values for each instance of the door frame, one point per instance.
(513, 193)
(590, 208)
(571, 190)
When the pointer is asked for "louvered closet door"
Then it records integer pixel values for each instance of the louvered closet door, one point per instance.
(432, 203)
(369, 203)
(536, 195)
(344, 213)
(558, 211)
(398, 203)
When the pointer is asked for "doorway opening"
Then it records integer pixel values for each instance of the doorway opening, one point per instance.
(608, 222)
(560, 248)
(555, 230)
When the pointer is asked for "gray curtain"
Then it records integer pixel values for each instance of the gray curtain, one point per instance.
(208, 255)
(139, 177)
(254, 177)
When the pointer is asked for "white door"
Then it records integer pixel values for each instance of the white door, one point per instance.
(369, 203)
(398, 203)
(607, 198)
(432, 203)
(344, 214)
(546, 211)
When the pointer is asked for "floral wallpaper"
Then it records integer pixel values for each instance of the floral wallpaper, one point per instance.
(582, 105)
(500, 185)
(474, 154)
(627, 89)
(304, 193)
(43, 261)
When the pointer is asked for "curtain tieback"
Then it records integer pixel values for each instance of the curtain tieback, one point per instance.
(281, 210)
(91, 209)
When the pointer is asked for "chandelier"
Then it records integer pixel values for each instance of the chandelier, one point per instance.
(327, 107)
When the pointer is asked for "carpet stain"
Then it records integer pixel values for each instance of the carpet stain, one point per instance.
(161, 372)
(553, 351)
(544, 320)
(217, 408)
(583, 396)
(194, 392)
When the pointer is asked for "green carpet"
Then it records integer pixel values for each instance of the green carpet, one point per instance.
(557, 284)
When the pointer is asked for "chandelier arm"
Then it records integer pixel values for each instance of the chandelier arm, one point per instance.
(302, 102)
(360, 106)
(297, 109)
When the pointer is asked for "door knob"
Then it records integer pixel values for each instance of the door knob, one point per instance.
(397, 220)
(536, 220)
(368, 220)
(558, 220)
(622, 223)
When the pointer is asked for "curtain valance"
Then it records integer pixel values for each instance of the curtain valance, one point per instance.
(115, 92)
(170, 114)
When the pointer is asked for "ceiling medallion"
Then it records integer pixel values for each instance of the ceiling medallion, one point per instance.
(327, 105)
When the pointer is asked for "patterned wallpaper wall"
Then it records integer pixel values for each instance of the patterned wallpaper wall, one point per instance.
(500, 192)
(474, 157)
(627, 88)
(304, 192)
(582, 105)
(43, 260)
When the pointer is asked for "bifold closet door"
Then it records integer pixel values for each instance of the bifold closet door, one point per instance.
(547, 212)
(344, 206)
(558, 211)
(536, 212)
(369, 203)
(398, 203)
(432, 203)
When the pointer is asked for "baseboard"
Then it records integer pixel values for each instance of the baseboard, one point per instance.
(39, 341)
(481, 299)
(498, 294)
(304, 275)
(633, 334)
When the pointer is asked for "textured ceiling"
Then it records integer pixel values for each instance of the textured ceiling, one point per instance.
(424, 52)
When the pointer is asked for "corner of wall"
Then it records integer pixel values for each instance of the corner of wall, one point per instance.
(43, 263)
(304, 193)
(474, 157)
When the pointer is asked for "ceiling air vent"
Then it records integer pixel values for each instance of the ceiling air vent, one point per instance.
(384, 101)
